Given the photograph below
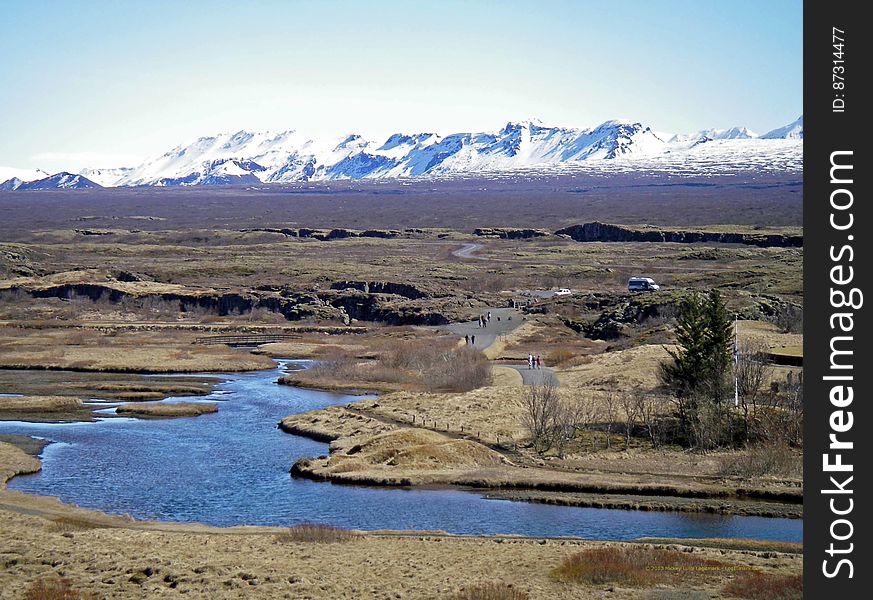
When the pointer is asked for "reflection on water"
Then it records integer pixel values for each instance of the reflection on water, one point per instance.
(231, 468)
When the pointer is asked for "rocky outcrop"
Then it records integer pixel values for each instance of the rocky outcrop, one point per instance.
(384, 302)
(605, 232)
(509, 233)
(382, 287)
(619, 314)
(327, 235)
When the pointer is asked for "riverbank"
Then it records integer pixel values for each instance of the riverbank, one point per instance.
(113, 556)
(401, 439)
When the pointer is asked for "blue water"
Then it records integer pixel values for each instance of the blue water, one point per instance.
(231, 468)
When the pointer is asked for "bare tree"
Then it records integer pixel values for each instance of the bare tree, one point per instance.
(542, 410)
(610, 415)
(650, 410)
(572, 416)
(752, 371)
(631, 408)
(781, 420)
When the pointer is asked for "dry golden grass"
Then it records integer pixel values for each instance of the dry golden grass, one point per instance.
(13, 462)
(502, 377)
(632, 369)
(332, 423)
(41, 404)
(768, 334)
(490, 412)
(176, 409)
(411, 450)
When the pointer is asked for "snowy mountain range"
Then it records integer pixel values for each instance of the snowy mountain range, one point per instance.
(257, 158)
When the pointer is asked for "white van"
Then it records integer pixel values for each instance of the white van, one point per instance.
(642, 284)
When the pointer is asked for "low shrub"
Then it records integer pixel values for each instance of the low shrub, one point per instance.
(559, 357)
(677, 595)
(761, 461)
(490, 591)
(318, 533)
(761, 586)
(437, 365)
(630, 566)
(56, 588)
(72, 524)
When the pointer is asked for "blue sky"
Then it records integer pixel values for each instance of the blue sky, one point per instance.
(108, 83)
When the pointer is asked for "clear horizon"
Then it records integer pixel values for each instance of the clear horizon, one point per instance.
(100, 85)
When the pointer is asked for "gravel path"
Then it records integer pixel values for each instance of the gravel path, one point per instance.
(485, 336)
(535, 376)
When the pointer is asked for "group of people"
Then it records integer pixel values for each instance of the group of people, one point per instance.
(485, 319)
(534, 362)
(470, 339)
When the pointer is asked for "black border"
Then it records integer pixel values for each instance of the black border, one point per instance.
(826, 131)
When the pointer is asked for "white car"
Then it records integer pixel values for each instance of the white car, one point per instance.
(563, 292)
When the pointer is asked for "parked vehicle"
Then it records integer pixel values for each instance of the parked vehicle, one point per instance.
(563, 292)
(642, 284)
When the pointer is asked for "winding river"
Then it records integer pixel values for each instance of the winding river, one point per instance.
(231, 468)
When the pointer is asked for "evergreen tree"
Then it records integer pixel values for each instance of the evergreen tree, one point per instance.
(718, 344)
(699, 374)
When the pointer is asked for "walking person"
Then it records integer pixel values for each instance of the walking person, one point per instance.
(539, 362)
(467, 339)
(530, 361)
(473, 339)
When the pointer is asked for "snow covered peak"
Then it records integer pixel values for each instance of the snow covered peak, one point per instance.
(58, 181)
(255, 158)
(792, 131)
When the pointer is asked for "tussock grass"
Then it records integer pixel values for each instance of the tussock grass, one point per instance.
(56, 588)
(631, 566)
(317, 533)
(489, 591)
(761, 586)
